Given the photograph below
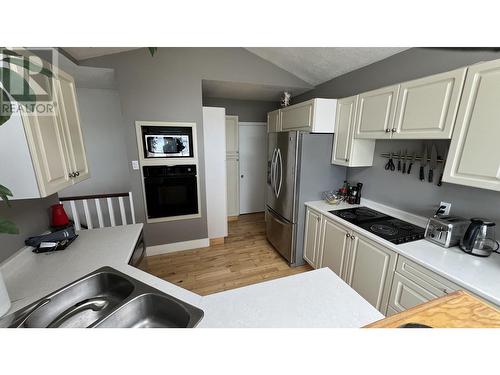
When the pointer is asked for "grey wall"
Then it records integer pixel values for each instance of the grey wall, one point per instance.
(246, 110)
(102, 125)
(407, 192)
(167, 87)
(31, 217)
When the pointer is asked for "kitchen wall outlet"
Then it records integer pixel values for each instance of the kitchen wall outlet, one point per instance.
(135, 165)
(447, 207)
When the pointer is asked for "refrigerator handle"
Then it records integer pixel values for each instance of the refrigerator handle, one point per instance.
(273, 174)
(281, 173)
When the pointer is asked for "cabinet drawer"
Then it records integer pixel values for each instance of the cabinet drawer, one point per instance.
(435, 284)
(406, 294)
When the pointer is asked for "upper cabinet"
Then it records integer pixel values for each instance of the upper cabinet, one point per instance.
(274, 121)
(47, 149)
(315, 116)
(427, 107)
(424, 108)
(347, 150)
(376, 110)
(473, 159)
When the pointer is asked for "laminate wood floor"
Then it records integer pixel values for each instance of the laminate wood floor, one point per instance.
(244, 258)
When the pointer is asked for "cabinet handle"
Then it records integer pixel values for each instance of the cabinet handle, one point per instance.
(353, 238)
(393, 130)
(387, 130)
(347, 159)
(446, 291)
(347, 235)
(77, 173)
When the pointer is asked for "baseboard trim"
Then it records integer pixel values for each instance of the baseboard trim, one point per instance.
(177, 246)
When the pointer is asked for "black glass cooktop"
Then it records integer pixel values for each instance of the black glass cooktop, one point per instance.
(385, 226)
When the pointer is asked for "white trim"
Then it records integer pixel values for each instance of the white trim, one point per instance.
(251, 123)
(177, 246)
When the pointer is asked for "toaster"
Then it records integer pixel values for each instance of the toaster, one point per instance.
(446, 231)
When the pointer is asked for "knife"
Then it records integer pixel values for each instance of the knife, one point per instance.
(404, 161)
(423, 163)
(445, 155)
(411, 162)
(433, 163)
(399, 160)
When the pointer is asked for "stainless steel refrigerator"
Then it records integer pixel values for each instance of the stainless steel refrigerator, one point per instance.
(299, 169)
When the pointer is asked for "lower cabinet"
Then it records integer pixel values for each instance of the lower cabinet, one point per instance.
(370, 270)
(335, 247)
(312, 238)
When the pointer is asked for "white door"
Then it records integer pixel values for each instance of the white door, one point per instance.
(474, 159)
(312, 237)
(427, 107)
(253, 159)
(335, 247)
(344, 128)
(371, 268)
(375, 113)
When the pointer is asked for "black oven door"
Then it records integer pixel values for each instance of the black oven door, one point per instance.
(171, 196)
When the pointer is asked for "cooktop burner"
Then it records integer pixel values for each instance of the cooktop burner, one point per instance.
(385, 226)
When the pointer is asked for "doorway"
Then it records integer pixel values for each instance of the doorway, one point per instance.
(253, 158)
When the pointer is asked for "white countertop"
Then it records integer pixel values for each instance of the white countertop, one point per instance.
(316, 298)
(312, 299)
(479, 275)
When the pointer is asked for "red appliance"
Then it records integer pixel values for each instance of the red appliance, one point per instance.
(59, 216)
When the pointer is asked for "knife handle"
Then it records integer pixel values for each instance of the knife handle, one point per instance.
(431, 175)
(404, 167)
(422, 176)
(409, 168)
(440, 182)
(399, 164)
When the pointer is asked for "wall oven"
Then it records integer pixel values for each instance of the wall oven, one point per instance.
(170, 190)
(167, 141)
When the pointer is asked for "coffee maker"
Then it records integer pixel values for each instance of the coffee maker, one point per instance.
(479, 238)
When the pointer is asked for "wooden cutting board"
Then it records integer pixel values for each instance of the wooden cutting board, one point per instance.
(455, 310)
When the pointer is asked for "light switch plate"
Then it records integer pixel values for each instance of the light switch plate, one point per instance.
(135, 165)
(447, 207)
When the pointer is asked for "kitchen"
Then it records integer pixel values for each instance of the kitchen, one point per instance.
(391, 141)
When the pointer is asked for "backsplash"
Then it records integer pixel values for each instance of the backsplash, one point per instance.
(31, 217)
(408, 193)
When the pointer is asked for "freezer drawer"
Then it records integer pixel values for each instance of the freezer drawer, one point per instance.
(281, 234)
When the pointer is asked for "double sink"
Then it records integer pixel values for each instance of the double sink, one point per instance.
(106, 298)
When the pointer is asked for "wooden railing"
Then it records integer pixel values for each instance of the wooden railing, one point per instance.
(86, 199)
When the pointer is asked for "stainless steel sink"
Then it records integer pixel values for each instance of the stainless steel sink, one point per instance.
(150, 311)
(105, 298)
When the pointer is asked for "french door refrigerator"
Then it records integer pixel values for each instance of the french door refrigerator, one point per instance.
(298, 170)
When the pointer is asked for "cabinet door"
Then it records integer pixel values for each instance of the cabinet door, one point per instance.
(344, 128)
(68, 107)
(47, 143)
(311, 237)
(371, 268)
(233, 186)
(232, 136)
(474, 159)
(334, 247)
(406, 294)
(427, 107)
(273, 121)
(297, 117)
(375, 113)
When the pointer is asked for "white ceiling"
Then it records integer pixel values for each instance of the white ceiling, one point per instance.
(82, 53)
(316, 65)
(246, 91)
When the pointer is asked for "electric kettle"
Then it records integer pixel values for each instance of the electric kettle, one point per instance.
(479, 238)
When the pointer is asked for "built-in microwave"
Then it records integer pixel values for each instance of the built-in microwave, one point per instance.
(167, 141)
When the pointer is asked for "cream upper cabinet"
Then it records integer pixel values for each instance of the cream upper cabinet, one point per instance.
(66, 92)
(54, 156)
(312, 238)
(347, 150)
(232, 166)
(335, 247)
(375, 115)
(473, 159)
(274, 121)
(315, 116)
(370, 271)
(427, 107)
